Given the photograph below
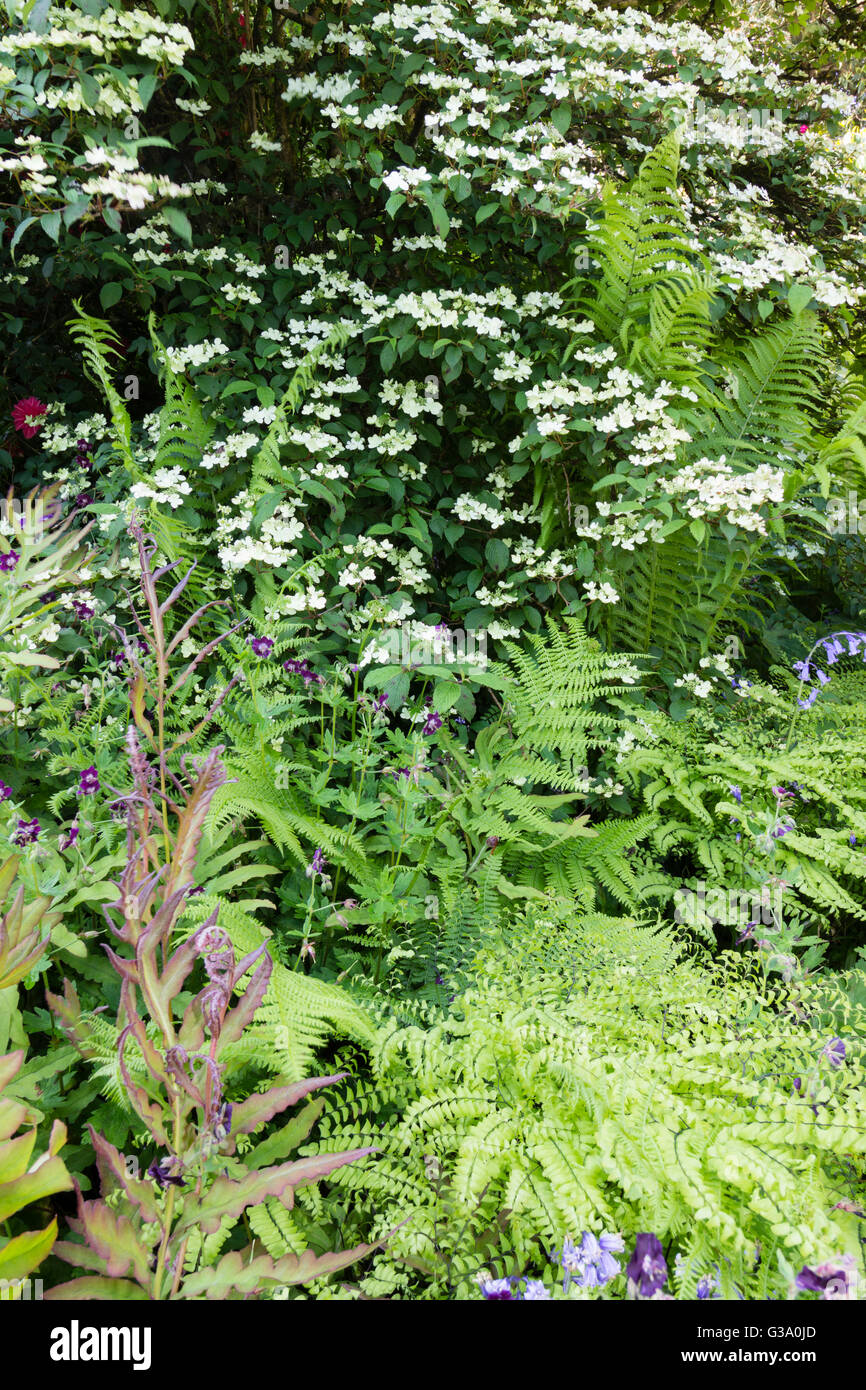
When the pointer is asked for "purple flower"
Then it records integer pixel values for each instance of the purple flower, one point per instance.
(492, 841)
(810, 699)
(802, 669)
(161, 1174)
(262, 646)
(5, 792)
(591, 1264)
(28, 832)
(748, 932)
(8, 560)
(69, 840)
(831, 1280)
(736, 794)
(833, 650)
(535, 1289)
(834, 1051)
(432, 722)
(316, 864)
(300, 668)
(89, 781)
(708, 1287)
(497, 1289)
(380, 702)
(822, 676)
(83, 610)
(647, 1270)
(852, 840)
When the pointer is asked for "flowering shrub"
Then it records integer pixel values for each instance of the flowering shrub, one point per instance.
(430, 600)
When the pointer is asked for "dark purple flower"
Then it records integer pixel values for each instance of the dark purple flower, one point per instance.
(852, 840)
(300, 668)
(262, 646)
(83, 499)
(161, 1174)
(830, 1280)
(747, 932)
(8, 560)
(89, 781)
(380, 702)
(28, 832)
(432, 722)
(834, 1051)
(83, 610)
(5, 792)
(647, 1270)
(69, 840)
(316, 864)
(497, 1289)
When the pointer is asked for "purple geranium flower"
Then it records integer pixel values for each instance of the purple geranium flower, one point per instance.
(8, 560)
(69, 840)
(5, 792)
(161, 1173)
(497, 1289)
(831, 1280)
(432, 722)
(834, 1051)
(28, 832)
(647, 1270)
(262, 646)
(89, 781)
(83, 610)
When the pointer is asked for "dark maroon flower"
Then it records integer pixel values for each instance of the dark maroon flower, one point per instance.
(8, 560)
(300, 668)
(161, 1174)
(28, 832)
(70, 839)
(262, 646)
(647, 1270)
(89, 781)
(492, 841)
(83, 610)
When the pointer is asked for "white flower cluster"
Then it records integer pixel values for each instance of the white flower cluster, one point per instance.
(709, 487)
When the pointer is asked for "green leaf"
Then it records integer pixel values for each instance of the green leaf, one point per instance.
(110, 294)
(441, 220)
(561, 118)
(497, 553)
(179, 222)
(50, 224)
(799, 297)
(484, 212)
